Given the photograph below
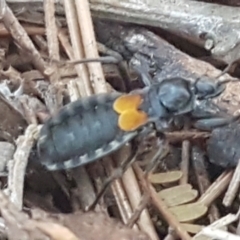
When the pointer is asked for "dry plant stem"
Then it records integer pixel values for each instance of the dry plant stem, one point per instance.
(183, 135)
(51, 29)
(40, 42)
(73, 89)
(238, 228)
(90, 45)
(131, 186)
(200, 170)
(80, 88)
(185, 170)
(72, 84)
(203, 179)
(217, 188)
(20, 160)
(138, 211)
(30, 30)
(224, 221)
(134, 194)
(233, 187)
(83, 83)
(63, 39)
(160, 205)
(219, 234)
(107, 59)
(28, 111)
(185, 161)
(20, 36)
(120, 195)
(53, 50)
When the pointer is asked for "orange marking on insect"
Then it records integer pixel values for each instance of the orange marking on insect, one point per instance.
(127, 102)
(131, 119)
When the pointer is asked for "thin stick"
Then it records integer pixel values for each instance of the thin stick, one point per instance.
(84, 85)
(90, 45)
(30, 30)
(53, 49)
(183, 135)
(216, 189)
(219, 234)
(203, 179)
(144, 221)
(233, 187)
(160, 205)
(139, 210)
(20, 160)
(120, 195)
(185, 161)
(20, 36)
(106, 59)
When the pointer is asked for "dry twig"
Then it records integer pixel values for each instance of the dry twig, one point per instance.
(217, 188)
(53, 49)
(18, 166)
(233, 187)
(160, 205)
(21, 37)
(83, 83)
(203, 179)
(185, 161)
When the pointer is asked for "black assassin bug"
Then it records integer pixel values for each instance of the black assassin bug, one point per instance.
(93, 127)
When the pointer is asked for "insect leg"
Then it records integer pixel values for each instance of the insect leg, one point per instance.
(229, 68)
(124, 165)
(141, 64)
(115, 175)
(161, 153)
(121, 64)
(212, 123)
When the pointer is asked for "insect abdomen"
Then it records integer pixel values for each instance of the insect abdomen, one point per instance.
(83, 131)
